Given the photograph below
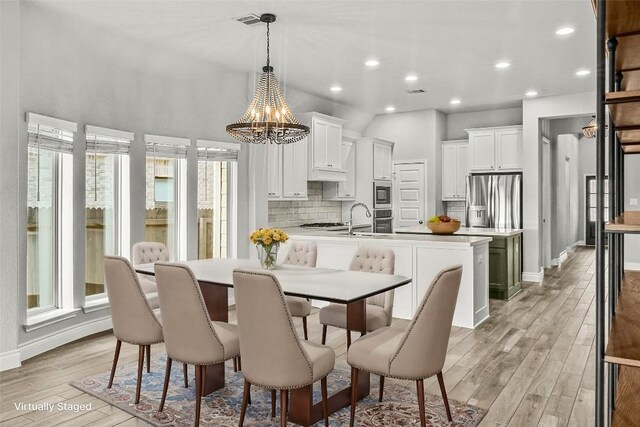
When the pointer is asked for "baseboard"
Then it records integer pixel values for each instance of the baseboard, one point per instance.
(628, 265)
(578, 243)
(555, 262)
(533, 277)
(67, 335)
(9, 360)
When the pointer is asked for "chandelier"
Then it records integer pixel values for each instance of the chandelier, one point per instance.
(268, 118)
(589, 131)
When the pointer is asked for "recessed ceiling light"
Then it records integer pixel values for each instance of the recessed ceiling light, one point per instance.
(390, 109)
(372, 63)
(531, 93)
(581, 73)
(336, 88)
(503, 64)
(411, 78)
(455, 101)
(564, 31)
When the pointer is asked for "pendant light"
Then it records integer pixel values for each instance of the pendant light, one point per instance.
(589, 131)
(268, 118)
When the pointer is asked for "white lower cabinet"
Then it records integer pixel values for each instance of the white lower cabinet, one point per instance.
(421, 261)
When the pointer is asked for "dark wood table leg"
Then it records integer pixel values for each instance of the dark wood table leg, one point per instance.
(216, 298)
(302, 410)
(357, 316)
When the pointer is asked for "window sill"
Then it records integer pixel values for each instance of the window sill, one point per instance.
(49, 318)
(95, 305)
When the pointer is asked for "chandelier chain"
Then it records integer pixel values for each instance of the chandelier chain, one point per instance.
(268, 37)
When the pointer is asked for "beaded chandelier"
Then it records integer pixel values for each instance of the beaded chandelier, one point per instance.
(268, 118)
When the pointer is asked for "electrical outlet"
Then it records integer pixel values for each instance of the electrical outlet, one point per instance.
(633, 201)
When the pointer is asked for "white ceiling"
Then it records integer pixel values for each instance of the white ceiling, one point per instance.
(451, 45)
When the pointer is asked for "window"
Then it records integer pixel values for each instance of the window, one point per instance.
(107, 202)
(166, 193)
(214, 172)
(49, 212)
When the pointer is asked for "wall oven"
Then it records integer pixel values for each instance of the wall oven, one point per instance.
(381, 194)
(383, 221)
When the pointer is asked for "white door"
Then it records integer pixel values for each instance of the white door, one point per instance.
(509, 149)
(483, 145)
(546, 203)
(449, 172)
(409, 198)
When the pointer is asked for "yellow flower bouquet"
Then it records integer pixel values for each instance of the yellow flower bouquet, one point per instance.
(267, 241)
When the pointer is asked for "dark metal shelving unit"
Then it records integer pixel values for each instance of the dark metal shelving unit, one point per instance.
(618, 358)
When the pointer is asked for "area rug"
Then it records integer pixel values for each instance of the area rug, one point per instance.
(222, 408)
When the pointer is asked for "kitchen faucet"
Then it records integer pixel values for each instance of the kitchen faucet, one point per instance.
(350, 222)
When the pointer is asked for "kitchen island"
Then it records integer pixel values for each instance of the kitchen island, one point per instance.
(420, 257)
(505, 261)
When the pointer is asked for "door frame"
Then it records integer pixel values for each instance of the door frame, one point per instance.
(394, 191)
(546, 203)
(585, 206)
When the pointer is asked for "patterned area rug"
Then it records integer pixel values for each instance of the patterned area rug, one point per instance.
(222, 408)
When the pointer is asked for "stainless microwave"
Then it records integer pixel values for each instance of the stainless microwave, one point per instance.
(382, 194)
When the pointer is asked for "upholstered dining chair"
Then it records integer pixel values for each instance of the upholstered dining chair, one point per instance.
(273, 355)
(303, 253)
(190, 335)
(147, 253)
(414, 353)
(372, 259)
(134, 320)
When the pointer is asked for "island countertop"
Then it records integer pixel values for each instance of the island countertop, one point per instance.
(464, 231)
(428, 238)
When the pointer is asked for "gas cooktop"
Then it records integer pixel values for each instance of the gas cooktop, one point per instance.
(323, 224)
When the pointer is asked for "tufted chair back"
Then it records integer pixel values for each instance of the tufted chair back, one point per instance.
(376, 259)
(132, 316)
(422, 350)
(189, 335)
(303, 253)
(149, 252)
(272, 355)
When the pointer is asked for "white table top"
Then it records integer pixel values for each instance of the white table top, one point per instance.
(317, 283)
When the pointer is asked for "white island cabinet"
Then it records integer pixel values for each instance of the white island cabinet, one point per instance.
(418, 257)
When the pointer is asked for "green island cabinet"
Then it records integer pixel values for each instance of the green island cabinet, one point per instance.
(505, 268)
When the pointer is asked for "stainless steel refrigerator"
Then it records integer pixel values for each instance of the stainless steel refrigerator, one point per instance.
(494, 200)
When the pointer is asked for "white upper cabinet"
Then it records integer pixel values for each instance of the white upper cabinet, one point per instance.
(287, 171)
(496, 149)
(343, 190)
(455, 167)
(483, 150)
(274, 171)
(509, 149)
(382, 166)
(294, 172)
(325, 161)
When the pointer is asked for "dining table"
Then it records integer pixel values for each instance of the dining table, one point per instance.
(352, 288)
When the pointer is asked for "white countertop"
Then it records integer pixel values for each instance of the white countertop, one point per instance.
(464, 231)
(460, 240)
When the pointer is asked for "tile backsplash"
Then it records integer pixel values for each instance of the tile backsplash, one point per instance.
(294, 213)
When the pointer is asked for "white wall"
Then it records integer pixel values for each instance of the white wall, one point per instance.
(417, 136)
(533, 111)
(632, 190)
(10, 211)
(458, 122)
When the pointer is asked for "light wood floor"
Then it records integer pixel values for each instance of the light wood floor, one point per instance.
(531, 363)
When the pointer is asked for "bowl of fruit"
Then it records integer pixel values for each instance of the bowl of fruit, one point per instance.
(443, 224)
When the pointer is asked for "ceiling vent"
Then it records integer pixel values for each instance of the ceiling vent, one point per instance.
(248, 19)
(414, 91)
